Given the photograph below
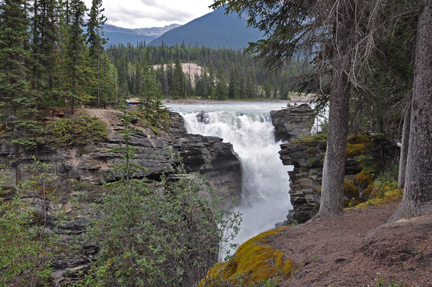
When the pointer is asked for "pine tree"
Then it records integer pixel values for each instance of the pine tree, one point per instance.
(17, 101)
(76, 66)
(233, 84)
(221, 85)
(179, 91)
(44, 47)
(96, 41)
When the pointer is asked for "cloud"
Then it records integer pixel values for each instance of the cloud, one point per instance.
(152, 13)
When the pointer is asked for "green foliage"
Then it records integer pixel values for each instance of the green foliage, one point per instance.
(24, 246)
(17, 99)
(311, 140)
(381, 283)
(162, 233)
(75, 131)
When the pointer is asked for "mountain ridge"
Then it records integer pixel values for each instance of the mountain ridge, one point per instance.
(214, 29)
(153, 31)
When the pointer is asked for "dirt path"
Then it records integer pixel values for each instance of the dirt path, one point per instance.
(356, 250)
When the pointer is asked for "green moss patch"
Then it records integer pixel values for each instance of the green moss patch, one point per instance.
(253, 262)
(311, 141)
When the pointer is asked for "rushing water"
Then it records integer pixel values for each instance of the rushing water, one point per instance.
(248, 127)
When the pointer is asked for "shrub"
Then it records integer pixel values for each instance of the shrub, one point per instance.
(81, 130)
(24, 247)
(165, 233)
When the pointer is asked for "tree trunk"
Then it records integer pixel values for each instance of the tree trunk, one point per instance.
(18, 164)
(332, 190)
(405, 143)
(417, 198)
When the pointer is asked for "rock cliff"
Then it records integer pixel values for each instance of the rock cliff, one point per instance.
(93, 164)
(82, 169)
(305, 180)
(293, 122)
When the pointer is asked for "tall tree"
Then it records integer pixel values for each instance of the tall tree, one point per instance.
(17, 101)
(417, 199)
(44, 47)
(334, 33)
(76, 66)
(179, 91)
(96, 40)
(233, 84)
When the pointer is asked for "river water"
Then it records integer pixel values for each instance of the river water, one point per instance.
(248, 127)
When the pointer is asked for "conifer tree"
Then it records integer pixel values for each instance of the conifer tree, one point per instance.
(96, 41)
(233, 84)
(76, 66)
(44, 47)
(179, 91)
(221, 85)
(17, 101)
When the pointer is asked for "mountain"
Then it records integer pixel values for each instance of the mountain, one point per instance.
(119, 35)
(212, 30)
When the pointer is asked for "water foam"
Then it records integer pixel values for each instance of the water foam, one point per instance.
(265, 198)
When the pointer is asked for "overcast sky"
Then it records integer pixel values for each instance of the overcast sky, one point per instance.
(152, 13)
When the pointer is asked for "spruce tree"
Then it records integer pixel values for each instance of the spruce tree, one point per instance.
(76, 66)
(233, 84)
(221, 85)
(96, 41)
(17, 101)
(44, 46)
(179, 91)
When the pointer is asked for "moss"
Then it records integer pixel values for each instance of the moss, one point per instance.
(380, 193)
(350, 188)
(389, 196)
(359, 139)
(311, 140)
(155, 130)
(363, 179)
(253, 261)
(355, 150)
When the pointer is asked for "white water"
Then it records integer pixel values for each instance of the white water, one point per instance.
(248, 127)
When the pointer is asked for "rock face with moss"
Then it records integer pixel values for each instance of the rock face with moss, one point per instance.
(366, 155)
(92, 163)
(293, 122)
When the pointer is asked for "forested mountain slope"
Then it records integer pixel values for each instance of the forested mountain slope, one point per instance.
(212, 30)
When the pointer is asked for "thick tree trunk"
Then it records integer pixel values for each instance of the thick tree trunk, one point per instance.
(332, 190)
(405, 143)
(417, 198)
(332, 194)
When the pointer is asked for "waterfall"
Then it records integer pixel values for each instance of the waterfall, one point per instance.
(265, 198)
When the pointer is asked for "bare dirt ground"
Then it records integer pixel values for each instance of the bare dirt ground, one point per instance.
(358, 250)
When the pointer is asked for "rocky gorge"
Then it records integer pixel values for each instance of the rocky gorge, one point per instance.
(81, 170)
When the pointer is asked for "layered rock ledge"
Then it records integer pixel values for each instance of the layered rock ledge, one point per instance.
(93, 164)
(293, 122)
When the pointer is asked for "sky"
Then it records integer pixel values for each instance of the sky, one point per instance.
(152, 13)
